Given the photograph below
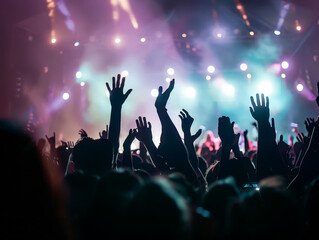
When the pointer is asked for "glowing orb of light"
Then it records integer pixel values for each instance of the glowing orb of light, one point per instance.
(65, 96)
(154, 92)
(299, 87)
(170, 71)
(211, 69)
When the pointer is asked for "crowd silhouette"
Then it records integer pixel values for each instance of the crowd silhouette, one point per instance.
(176, 190)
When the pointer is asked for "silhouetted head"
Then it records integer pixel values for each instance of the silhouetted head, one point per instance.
(93, 156)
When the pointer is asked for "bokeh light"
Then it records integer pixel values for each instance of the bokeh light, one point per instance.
(265, 87)
(211, 69)
(53, 40)
(277, 32)
(154, 92)
(208, 77)
(143, 39)
(170, 71)
(284, 64)
(117, 40)
(76, 44)
(65, 96)
(82, 84)
(124, 73)
(78, 74)
(190, 92)
(299, 87)
(243, 66)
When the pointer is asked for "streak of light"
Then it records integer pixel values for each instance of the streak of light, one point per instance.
(125, 5)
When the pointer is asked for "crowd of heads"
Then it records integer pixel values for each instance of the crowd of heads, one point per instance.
(214, 189)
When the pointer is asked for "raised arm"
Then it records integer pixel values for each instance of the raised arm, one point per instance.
(189, 139)
(172, 147)
(117, 98)
(127, 156)
(269, 161)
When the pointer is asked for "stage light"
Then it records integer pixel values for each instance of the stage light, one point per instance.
(284, 64)
(211, 69)
(53, 40)
(124, 73)
(251, 33)
(154, 92)
(190, 92)
(248, 75)
(184, 35)
(65, 96)
(117, 40)
(76, 44)
(170, 71)
(265, 87)
(78, 75)
(228, 89)
(243, 66)
(219, 35)
(277, 32)
(168, 79)
(283, 75)
(208, 77)
(143, 39)
(299, 87)
(298, 28)
(82, 84)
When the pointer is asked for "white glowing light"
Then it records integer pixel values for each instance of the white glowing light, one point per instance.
(208, 77)
(211, 69)
(117, 40)
(251, 33)
(78, 74)
(53, 40)
(243, 66)
(283, 75)
(76, 44)
(184, 35)
(265, 87)
(168, 79)
(299, 87)
(66, 96)
(190, 92)
(219, 35)
(248, 75)
(284, 64)
(124, 73)
(170, 71)
(82, 84)
(277, 32)
(228, 89)
(154, 92)
(298, 28)
(143, 39)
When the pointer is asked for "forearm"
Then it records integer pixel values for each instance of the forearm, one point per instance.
(115, 128)
(127, 157)
(223, 171)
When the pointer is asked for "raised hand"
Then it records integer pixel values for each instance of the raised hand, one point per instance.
(83, 133)
(309, 124)
(144, 130)
(162, 97)
(51, 140)
(105, 133)
(117, 97)
(129, 139)
(260, 112)
(226, 131)
(187, 122)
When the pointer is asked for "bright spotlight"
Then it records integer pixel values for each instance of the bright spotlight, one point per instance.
(124, 73)
(76, 44)
(184, 35)
(243, 66)
(248, 75)
(219, 35)
(117, 40)
(299, 87)
(65, 96)
(82, 84)
(284, 64)
(277, 32)
(211, 69)
(298, 28)
(143, 39)
(168, 79)
(170, 71)
(208, 77)
(53, 40)
(251, 33)
(283, 75)
(78, 74)
(265, 87)
(190, 92)
(154, 92)
(228, 89)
